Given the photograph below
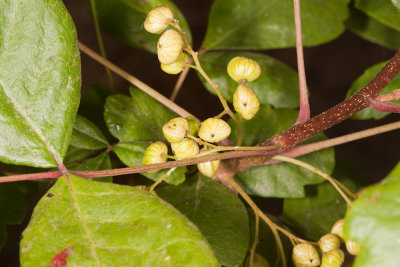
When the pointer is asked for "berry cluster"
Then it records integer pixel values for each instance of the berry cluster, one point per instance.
(305, 254)
(182, 134)
(170, 45)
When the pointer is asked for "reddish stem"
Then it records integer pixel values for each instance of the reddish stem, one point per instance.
(30, 176)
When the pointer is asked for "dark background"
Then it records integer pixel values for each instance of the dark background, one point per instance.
(331, 68)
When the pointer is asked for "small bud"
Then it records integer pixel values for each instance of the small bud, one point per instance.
(305, 254)
(175, 130)
(258, 261)
(352, 247)
(337, 228)
(329, 242)
(241, 68)
(214, 130)
(208, 168)
(333, 258)
(245, 102)
(176, 66)
(157, 19)
(169, 47)
(185, 149)
(155, 153)
(194, 125)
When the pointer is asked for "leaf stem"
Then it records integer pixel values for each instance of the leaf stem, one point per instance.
(330, 179)
(255, 242)
(100, 42)
(161, 179)
(136, 82)
(304, 113)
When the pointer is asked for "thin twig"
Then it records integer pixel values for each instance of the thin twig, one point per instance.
(180, 81)
(30, 176)
(317, 171)
(100, 42)
(136, 82)
(304, 113)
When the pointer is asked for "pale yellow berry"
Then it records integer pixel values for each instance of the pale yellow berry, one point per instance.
(157, 19)
(241, 68)
(155, 153)
(175, 130)
(258, 261)
(329, 242)
(214, 130)
(352, 247)
(333, 258)
(208, 168)
(169, 47)
(305, 254)
(176, 66)
(194, 125)
(245, 101)
(185, 149)
(337, 228)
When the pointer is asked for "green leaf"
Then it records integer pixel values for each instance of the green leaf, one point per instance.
(39, 81)
(123, 20)
(105, 224)
(383, 11)
(364, 79)
(136, 118)
(264, 24)
(75, 154)
(137, 121)
(396, 3)
(13, 204)
(131, 154)
(314, 215)
(277, 84)
(373, 222)
(92, 106)
(279, 180)
(100, 162)
(218, 213)
(372, 30)
(86, 135)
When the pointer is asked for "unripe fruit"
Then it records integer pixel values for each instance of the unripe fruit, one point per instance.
(175, 130)
(337, 228)
(157, 19)
(214, 130)
(185, 149)
(258, 261)
(155, 153)
(194, 125)
(241, 68)
(245, 102)
(305, 254)
(169, 47)
(208, 168)
(333, 258)
(176, 66)
(329, 242)
(352, 247)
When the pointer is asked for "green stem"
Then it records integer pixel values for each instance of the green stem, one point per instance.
(161, 179)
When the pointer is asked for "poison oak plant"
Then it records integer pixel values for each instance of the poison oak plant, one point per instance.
(198, 209)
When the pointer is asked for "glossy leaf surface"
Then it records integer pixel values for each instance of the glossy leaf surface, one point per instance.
(86, 135)
(384, 11)
(277, 84)
(373, 222)
(123, 20)
(104, 224)
(218, 213)
(372, 30)
(39, 81)
(264, 24)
